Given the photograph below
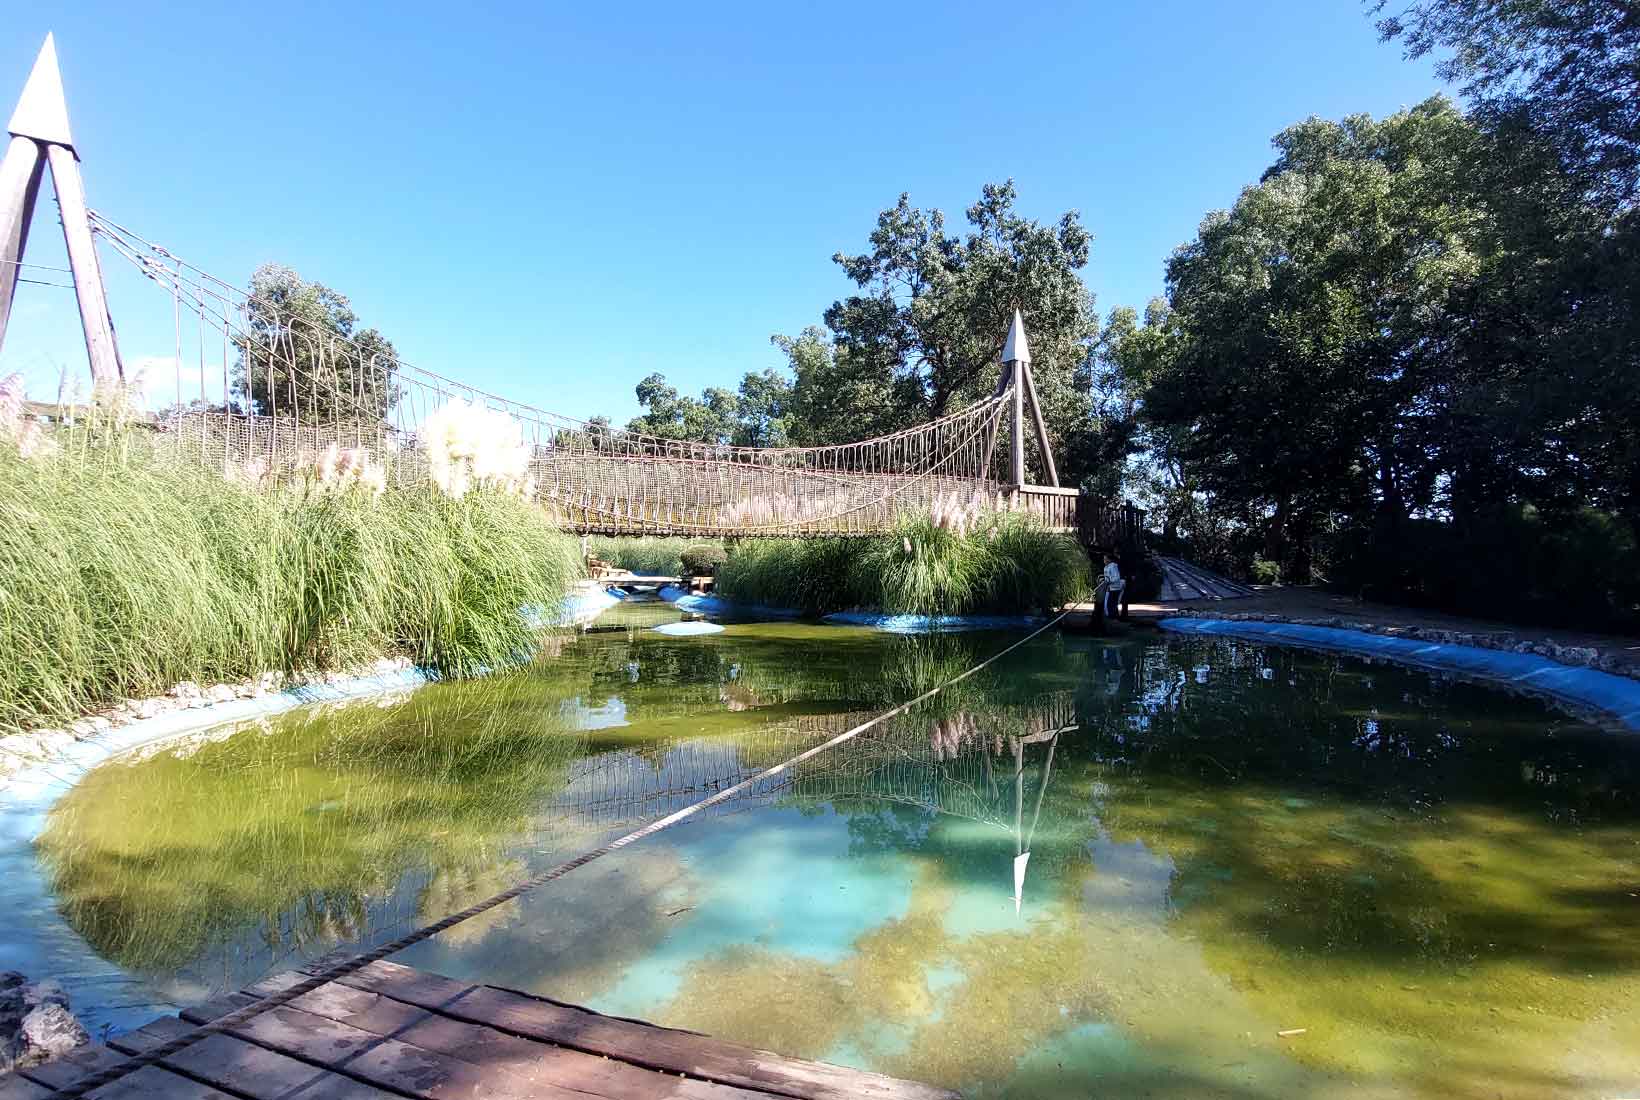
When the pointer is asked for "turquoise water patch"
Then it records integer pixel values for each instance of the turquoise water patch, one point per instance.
(1077, 1063)
(787, 884)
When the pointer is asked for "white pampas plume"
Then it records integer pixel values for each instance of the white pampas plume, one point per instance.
(469, 446)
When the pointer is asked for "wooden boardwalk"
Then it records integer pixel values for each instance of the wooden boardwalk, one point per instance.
(389, 1031)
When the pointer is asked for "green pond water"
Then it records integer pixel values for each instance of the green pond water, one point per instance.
(1438, 882)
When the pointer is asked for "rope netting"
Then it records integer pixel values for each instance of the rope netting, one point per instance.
(265, 389)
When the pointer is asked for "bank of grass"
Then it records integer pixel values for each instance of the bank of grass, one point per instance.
(121, 576)
(1006, 565)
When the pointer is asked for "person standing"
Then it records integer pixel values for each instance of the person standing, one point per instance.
(1113, 587)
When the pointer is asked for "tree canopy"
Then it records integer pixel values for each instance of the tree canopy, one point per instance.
(1566, 70)
(303, 351)
(921, 339)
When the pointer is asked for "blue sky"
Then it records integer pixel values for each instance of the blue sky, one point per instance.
(553, 201)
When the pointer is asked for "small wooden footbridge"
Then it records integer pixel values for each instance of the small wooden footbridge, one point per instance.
(390, 1032)
(268, 392)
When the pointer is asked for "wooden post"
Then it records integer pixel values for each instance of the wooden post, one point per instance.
(41, 121)
(19, 185)
(1041, 429)
(100, 347)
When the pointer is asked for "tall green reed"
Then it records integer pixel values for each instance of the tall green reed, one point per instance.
(1004, 563)
(122, 573)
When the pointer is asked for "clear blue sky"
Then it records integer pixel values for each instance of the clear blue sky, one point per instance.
(554, 200)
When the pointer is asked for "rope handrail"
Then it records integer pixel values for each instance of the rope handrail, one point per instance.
(131, 245)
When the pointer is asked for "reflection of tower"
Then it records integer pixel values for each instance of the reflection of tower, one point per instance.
(1022, 837)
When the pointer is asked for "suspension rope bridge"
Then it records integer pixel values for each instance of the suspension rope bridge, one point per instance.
(277, 390)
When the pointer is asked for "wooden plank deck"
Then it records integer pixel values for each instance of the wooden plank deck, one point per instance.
(389, 1032)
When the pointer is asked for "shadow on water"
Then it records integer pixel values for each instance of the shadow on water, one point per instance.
(1113, 869)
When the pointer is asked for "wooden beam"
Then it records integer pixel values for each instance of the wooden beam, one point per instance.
(1016, 421)
(1041, 429)
(19, 186)
(82, 258)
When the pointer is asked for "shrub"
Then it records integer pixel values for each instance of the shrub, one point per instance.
(651, 556)
(703, 560)
(1265, 571)
(1004, 564)
(1578, 568)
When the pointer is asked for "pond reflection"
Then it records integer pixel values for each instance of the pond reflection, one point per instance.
(1113, 869)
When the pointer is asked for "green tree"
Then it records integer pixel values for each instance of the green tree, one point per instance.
(838, 397)
(671, 415)
(1567, 70)
(1327, 363)
(303, 353)
(924, 336)
(762, 414)
(1132, 357)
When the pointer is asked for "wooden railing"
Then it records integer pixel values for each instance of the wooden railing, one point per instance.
(1095, 521)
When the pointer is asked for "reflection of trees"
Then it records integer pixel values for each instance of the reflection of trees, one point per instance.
(1324, 807)
(993, 767)
(293, 832)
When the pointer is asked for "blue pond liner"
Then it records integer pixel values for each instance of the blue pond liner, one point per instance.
(687, 630)
(877, 620)
(1618, 696)
(717, 605)
(931, 624)
(573, 610)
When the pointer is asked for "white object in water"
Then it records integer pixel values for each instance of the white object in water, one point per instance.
(1021, 861)
(687, 630)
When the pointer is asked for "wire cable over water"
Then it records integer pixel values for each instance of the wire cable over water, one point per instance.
(343, 967)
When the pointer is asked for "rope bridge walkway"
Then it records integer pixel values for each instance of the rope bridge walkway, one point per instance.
(276, 390)
(280, 386)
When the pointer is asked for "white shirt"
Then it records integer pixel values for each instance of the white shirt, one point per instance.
(1113, 577)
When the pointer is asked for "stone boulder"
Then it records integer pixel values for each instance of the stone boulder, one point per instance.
(35, 1023)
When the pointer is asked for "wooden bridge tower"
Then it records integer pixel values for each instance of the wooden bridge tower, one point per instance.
(40, 137)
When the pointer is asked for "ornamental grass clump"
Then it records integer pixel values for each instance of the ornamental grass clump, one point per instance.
(473, 447)
(955, 560)
(814, 576)
(123, 573)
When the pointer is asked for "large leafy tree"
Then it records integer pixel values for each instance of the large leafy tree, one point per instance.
(671, 415)
(1566, 70)
(303, 353)
(1336, 355)
(837, 396)
(756, 416)
(923, 336)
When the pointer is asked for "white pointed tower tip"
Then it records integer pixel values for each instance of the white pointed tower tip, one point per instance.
(1015, 349)
(42, 113)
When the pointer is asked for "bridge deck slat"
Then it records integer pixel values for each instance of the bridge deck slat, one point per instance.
(636, 1042)
(486, 1047)
(390, 1063)
(230, 1062)
(14, 1086)
(153, 1083)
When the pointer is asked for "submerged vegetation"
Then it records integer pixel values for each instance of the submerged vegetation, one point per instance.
(999, 563)
(123, 574)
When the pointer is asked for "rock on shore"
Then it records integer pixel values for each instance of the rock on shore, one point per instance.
(35, 1023)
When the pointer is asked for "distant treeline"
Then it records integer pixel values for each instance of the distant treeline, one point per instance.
(1403, 362)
